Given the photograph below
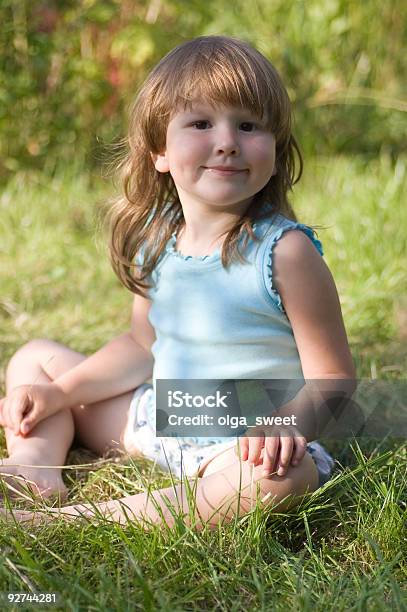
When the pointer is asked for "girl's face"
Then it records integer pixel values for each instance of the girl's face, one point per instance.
(203, 138)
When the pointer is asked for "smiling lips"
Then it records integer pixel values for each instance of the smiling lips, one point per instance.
(225, 170)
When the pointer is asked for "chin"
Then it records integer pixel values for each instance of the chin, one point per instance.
(227, 200)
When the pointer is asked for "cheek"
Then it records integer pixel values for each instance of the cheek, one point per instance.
(264, 159)
(185, 151)
(264, 149)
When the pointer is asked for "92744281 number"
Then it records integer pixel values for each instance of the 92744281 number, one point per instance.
(30, 598)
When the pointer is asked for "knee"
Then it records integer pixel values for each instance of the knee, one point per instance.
(32, 351)
(285, 493)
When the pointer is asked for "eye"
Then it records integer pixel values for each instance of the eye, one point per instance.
(199, 123)
(249, 123)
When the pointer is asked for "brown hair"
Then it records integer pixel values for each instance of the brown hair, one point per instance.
(217, 69)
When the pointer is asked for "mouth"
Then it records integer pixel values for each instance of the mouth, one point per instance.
(224, 171)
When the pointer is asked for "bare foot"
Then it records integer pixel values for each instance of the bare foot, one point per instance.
(21, 516)
(22, 478)
(48, 515)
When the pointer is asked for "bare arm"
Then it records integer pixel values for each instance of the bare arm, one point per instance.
(312, 305)
(119, 366)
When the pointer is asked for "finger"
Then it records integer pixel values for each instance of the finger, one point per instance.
(300, 447)
(6, 413)
(32, 419)
(20, 403)
(243, 444)
(286, 451)
(255, 445)
(271, 446)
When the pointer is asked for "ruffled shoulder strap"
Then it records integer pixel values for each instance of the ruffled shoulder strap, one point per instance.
(280, 226)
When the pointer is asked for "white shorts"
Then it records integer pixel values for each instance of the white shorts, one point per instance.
(184, 456)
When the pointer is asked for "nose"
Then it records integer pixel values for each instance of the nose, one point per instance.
(227, 141)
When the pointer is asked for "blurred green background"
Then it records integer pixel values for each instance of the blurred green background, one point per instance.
(69, 70)
(68, 73)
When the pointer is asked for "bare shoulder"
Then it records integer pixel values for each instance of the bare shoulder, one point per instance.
(296, 257)
(312, 305)
(294, 243)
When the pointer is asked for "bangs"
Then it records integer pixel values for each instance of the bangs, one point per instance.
(220, 84)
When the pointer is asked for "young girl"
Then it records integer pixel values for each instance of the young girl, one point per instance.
(227, 285)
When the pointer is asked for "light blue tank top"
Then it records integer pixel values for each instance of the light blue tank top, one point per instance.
(217, 323)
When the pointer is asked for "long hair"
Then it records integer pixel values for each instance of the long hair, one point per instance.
(217, 69)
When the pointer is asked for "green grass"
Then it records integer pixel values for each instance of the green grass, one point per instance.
(343, 548)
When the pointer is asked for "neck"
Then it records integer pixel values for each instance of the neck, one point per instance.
(205, 238)
(205, 227)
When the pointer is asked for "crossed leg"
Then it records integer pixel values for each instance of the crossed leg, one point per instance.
(97, 427)
(231, 489)
(226, 487)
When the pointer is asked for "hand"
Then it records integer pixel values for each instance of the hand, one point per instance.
(27, 405)
(275, 447)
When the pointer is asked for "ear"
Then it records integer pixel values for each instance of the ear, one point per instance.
(160, 161)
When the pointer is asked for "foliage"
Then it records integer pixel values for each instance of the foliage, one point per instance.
(343, 548)
(70, 68)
